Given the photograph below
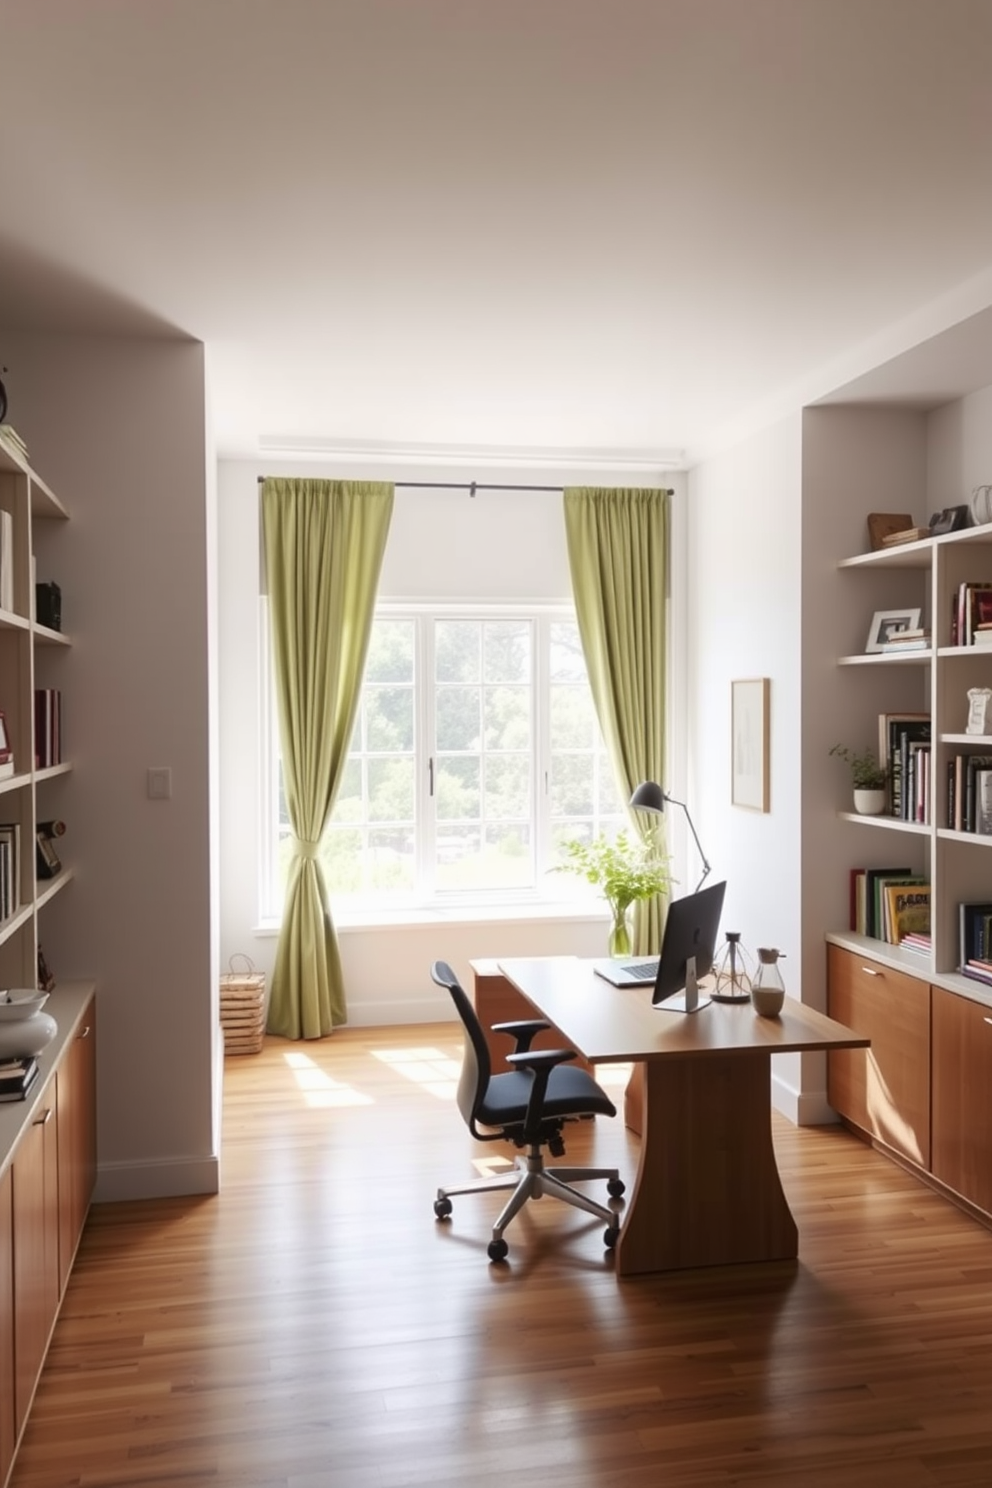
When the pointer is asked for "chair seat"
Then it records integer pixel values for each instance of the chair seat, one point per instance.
(571, 1092)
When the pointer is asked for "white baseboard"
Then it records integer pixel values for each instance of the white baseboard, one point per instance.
(116, 1182)
(802, 1107)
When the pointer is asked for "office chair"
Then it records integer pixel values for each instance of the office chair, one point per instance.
(527, 1106)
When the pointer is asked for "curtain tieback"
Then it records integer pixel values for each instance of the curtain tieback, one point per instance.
(304, 849)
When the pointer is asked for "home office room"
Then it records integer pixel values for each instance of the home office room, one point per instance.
(482, 493)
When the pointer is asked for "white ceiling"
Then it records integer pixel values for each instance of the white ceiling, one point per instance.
(613, 225)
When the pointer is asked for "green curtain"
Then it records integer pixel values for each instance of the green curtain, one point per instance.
(324, 542)
(618, 557)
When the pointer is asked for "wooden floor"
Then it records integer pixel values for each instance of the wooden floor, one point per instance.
(314, 1325)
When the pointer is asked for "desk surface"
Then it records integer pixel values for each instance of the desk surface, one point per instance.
(606, 1023)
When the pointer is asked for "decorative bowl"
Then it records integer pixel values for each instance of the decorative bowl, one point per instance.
(20, 1003)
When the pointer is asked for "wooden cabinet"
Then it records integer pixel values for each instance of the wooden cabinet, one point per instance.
(8, 1435)
(883, 1090)
(47, 1172)
(34, 1171)
(962, 1096)
(75, 1082)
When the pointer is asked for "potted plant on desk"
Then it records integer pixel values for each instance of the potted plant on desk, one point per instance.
(625, 870)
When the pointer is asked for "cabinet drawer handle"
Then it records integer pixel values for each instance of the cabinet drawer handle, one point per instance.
(870, 971)
(44, 1119)
(84, 1032)
(988, 1020)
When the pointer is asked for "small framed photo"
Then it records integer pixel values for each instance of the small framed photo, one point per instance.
(886, 624)
(5, 746)
(749, 716)
(48, 863)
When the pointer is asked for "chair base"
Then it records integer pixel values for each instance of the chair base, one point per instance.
(530, 1179)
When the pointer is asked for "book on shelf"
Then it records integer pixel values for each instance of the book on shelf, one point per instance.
(10, 868)
(896, 731)
(916, 941)
(47, 727)
(883, 524)
(971, 607)
(906, 911)
(6, 561)
(974, 932)
(875, 879)
(17, 1078)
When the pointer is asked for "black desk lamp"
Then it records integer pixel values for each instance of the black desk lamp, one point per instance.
(651, 797)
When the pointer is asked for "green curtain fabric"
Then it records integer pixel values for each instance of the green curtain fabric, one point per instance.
(618, 557)
(324, 542)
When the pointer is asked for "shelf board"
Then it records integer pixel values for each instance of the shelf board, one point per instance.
(977, 839)
(47, 888)
(46, 637)
(13, 923)
(50, 772)
(11, 621)
(891, 823)
(903, 555)
(885, 658)
(14, 782)
(982, 741)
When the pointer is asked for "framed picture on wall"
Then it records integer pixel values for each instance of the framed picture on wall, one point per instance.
(749, 718)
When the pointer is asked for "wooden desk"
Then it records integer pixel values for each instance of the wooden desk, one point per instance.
(707, 1191)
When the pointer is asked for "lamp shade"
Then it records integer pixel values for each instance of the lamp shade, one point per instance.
(649, 797)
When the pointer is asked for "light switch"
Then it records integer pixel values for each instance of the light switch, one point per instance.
(159, 783)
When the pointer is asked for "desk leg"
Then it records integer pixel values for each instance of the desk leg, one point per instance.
(707, 1191)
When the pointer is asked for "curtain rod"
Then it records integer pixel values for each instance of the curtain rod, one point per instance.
(472, 486)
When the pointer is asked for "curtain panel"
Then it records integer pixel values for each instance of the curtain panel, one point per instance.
(324, 542)
(618, 543)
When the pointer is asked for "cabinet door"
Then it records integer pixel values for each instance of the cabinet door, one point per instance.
(962, 1096)
(7, 1435)
(76, 1091)
(884, 1090)
(36, 1251)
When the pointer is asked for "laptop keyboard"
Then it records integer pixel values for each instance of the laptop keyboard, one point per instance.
(644, 971)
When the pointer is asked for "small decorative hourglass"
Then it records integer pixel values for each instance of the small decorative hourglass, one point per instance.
(734, 972)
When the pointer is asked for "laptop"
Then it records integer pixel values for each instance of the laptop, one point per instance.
(690, 931)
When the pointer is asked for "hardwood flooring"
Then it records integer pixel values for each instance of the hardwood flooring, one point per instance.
(313, 1325)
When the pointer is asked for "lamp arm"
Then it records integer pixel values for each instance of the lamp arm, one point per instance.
(695, 838)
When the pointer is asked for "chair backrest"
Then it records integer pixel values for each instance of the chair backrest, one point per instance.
(476, 1065)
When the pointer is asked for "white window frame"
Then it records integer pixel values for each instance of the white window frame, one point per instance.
(549, 889)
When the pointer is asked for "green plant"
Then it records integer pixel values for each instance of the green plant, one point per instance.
(625, 870)
(866, 772)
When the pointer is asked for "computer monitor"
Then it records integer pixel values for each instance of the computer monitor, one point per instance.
(690, 933)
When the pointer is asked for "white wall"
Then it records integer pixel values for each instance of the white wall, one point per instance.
(744, 607)
(442, 544)
(959, 450)
(116, 428)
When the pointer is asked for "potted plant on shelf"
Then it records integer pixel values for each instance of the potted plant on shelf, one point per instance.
(868, 778)
(625, 870)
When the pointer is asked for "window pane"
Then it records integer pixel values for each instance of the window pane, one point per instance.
(341, 859)
(573, 719)
(457, 650)
(507, 718)
(391, 859)
(348, 805)
(389, 718)
(458, 789)
(507, 651)
(567, 663)
(391, 790)
(390, 657)
(573, 785)
(507, 792)
(458, 725)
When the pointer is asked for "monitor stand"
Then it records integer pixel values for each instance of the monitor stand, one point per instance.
(688, 1001)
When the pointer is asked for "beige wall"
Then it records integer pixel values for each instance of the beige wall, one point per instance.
(116, 428)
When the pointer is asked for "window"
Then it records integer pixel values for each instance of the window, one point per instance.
(475, 752)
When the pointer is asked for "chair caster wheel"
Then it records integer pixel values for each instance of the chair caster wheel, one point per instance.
(615, 1187)
(611, 1236)
(498, 1250)
(442, 1208)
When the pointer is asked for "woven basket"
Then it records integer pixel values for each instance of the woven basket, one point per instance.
(242, 1007)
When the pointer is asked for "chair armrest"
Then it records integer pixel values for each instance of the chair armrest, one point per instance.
(524, 1031)
(540, 1062)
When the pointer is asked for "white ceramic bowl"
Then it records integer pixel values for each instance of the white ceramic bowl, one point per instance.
(20, 1003)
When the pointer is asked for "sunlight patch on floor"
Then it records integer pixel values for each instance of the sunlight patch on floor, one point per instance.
(434, 1071)
(319, 1089)
(613, 1076)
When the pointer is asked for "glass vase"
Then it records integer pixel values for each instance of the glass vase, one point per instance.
(620, 933)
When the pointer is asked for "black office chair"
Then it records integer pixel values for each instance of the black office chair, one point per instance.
(527, 1106)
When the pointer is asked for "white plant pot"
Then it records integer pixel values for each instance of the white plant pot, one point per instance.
(869, 802)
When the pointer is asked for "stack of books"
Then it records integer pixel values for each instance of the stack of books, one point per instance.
(16, 1077)
(917, 639)
(47, 727)
(971, 609)
(975, 941)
